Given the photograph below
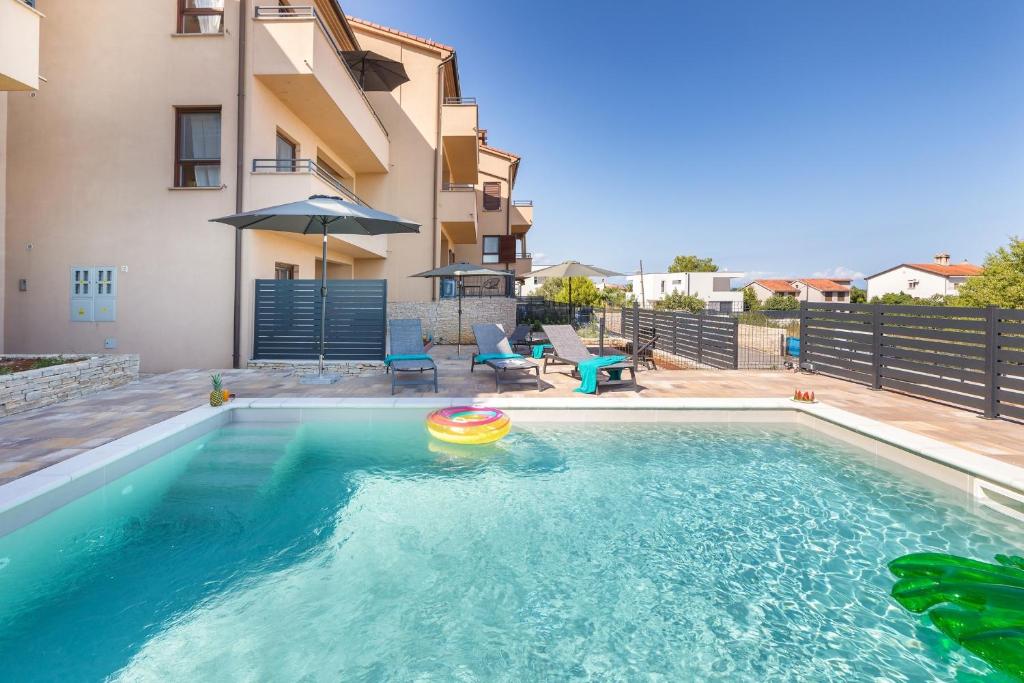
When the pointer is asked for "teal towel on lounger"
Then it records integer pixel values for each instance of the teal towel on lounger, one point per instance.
(484, 357)
(538, 350)
(392, 357)
(588, 371)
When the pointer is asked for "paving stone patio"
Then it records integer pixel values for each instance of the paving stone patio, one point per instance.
(33, 440)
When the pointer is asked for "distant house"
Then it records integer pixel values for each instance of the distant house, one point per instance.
(922, 280)
(763, 289)
(531, 283)
(822, 289)
(803, 289)
(714, 288)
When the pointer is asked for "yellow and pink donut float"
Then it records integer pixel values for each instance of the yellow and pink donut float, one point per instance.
(468, 424)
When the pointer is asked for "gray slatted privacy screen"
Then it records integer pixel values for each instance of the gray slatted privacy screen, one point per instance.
(970, 357)
(707, 339)
(287, 320)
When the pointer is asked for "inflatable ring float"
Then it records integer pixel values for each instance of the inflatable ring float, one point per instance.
(468, 424)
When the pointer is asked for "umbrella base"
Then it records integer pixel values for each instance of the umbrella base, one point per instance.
(319, 379)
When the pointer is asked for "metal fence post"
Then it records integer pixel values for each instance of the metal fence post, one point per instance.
(802, 360)
(600, 333)
(636, 327)
(991, 406)
(735, 343)
(700, 338)
(876, 347)
(675, 333)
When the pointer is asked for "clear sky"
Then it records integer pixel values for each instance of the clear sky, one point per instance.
(779, 137)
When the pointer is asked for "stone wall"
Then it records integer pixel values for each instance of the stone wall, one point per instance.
(440, 318)
(353, 368)
(30, 389)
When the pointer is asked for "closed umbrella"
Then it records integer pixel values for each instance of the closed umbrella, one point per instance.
(460, 270)
(375, 72)
(571, 269)
(326, 215)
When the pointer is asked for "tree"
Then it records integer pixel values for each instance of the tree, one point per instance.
(692, 264)
(858, 295)
(781, 302)
(1001, 283)
(613, 297)
(750, 300)
(584, 291)
(677, 301)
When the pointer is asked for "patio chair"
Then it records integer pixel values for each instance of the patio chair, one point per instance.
(520, 338)
(406, 338)
(491, 339)
(569, 350)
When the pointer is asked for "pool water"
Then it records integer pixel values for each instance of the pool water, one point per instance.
(362, 550)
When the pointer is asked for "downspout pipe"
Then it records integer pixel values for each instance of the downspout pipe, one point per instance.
(437, 170)
(236, 342)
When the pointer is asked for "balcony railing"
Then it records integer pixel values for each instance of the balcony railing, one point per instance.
(30, 3)
(460, 100)
(522, 202)
(524, 255)
(305, 12)
(458, 187)
(306, 166)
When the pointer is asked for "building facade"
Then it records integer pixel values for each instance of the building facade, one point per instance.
(923, 280)
(227, 107)
(714, 288)
(803, 289)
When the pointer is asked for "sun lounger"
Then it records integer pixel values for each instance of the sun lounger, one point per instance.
(406, 355)
(570, 350)
(495, 351)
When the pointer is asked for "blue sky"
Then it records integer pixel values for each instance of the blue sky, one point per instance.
(779, 138)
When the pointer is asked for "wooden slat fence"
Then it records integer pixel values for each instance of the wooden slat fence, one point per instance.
(287, 319)
(707, 339)
(969, 357)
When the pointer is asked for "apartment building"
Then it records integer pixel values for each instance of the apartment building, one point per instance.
(924, 280)
(714, 288)
(19, 73)
(159, 116)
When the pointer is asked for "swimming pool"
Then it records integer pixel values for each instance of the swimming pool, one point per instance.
(356, 547)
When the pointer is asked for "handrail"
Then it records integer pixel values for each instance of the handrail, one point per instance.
(305, 166)
(460, 100)
(522, 202)
(309, 12)
(457, 187)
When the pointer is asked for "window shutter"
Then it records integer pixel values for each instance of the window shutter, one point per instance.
(492, 196)
(507, 248)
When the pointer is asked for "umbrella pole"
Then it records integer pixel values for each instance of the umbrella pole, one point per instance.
(458, 335)
(323, 300)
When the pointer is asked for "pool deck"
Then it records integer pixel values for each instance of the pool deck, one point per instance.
(36, 439)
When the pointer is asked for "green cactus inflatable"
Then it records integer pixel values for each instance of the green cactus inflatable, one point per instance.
(982, 604)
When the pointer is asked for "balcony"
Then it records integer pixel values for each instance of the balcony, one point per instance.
(460, 141)
(296, 58)
(523, 264)
(522, 215)
(279, 181)
(456, 209)
(19, 45)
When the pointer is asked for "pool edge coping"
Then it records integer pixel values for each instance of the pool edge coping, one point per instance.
(180, 429)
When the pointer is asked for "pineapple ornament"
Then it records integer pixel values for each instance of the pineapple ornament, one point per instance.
(217, 395)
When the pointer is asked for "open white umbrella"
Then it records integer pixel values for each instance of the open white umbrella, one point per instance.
(326, 215)
(571, 269)
(460, 270)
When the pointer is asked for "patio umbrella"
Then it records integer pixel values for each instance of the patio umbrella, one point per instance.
(460, 270)
(326, 215)
(375, 72)
(571, 269)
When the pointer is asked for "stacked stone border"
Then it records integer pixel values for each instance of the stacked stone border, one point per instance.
(84, 375)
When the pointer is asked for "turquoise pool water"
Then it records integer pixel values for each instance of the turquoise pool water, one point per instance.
(363, 551)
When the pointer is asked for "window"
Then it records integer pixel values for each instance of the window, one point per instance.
(677, 282)
(197, 147)
(662, 286)
(285, 271)
(93, 294)
(912, 284)
(492, 196)
(287, 152)
(200, 16)
(491, 246)
(828, 296)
